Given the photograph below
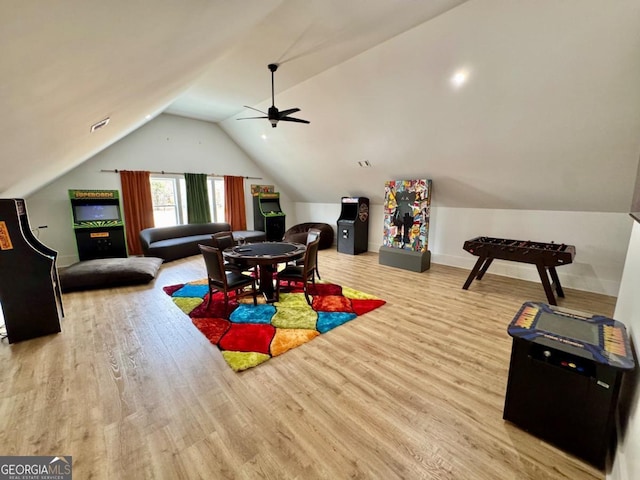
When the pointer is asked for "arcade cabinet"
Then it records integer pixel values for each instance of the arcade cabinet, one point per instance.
(268, 216)
(97, 223)
(353, 225)
(565, 376)
(29, 284)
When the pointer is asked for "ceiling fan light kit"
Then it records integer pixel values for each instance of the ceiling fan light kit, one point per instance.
(273, 114)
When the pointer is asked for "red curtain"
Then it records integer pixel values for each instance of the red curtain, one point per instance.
(138, 207)
(234, 209)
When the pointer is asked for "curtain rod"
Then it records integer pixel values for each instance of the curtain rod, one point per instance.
(180, 173)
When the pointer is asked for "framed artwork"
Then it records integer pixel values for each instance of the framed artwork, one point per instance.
(407, 207)
(256, 189)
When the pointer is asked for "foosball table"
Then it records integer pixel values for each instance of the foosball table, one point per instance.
(545, 256)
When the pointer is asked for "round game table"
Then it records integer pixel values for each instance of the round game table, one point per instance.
(266, 255)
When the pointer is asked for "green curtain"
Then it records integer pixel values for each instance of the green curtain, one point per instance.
(197, 198)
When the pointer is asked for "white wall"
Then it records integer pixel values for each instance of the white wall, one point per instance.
(600, 239)
(548, 119)
(167, 143)
(177, 144)
(627, 460)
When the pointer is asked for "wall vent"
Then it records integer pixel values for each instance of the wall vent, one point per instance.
(100, 124)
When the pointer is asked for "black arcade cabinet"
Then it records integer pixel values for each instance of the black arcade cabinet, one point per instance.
(268, 216)
(29, 285)
(353, 225)
(565, 376)
(97, 223)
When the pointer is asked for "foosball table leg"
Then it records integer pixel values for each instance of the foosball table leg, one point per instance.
(484, 268)
(544, 278)
(474, 271)
(556, 281)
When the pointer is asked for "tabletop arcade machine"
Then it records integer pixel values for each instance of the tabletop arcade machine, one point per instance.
(30, 294)
(565, 376)
(268, 216)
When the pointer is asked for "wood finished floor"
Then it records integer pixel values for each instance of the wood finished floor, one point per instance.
(413, 390)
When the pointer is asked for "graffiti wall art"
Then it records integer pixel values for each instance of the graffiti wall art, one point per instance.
(407, 207)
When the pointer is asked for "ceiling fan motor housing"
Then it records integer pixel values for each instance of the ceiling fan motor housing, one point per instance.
(273, 115)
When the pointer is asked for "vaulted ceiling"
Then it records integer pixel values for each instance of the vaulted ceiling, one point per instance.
(548, 118)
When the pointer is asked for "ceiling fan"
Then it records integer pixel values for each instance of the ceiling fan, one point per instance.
(273, 114)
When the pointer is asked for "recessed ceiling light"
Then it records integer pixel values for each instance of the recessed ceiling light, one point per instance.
(459, 78)
(147, 117)
(264, 136)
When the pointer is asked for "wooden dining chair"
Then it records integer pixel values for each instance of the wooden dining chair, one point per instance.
(304, 274)
(312, 234)
(224, 240)
(224, 280)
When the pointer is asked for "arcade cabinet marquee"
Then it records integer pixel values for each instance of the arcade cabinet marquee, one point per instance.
(97, 223)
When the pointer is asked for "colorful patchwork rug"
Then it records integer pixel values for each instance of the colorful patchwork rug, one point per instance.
(249, 335)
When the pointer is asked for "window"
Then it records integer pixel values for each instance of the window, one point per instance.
(216, 199)
(169, 197)
(163, 196)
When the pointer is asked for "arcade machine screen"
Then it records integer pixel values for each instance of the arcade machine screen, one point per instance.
(349, 211)
(92, 213)
(270, 206)
(569, 328)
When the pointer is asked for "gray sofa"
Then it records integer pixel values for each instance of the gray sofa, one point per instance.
(179, 241)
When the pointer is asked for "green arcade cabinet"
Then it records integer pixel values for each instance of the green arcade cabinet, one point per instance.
(98, 224)
(268, 216)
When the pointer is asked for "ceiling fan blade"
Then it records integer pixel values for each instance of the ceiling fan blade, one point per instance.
(291, 119)
(288, 112)
(249, 118)
(247, 106)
